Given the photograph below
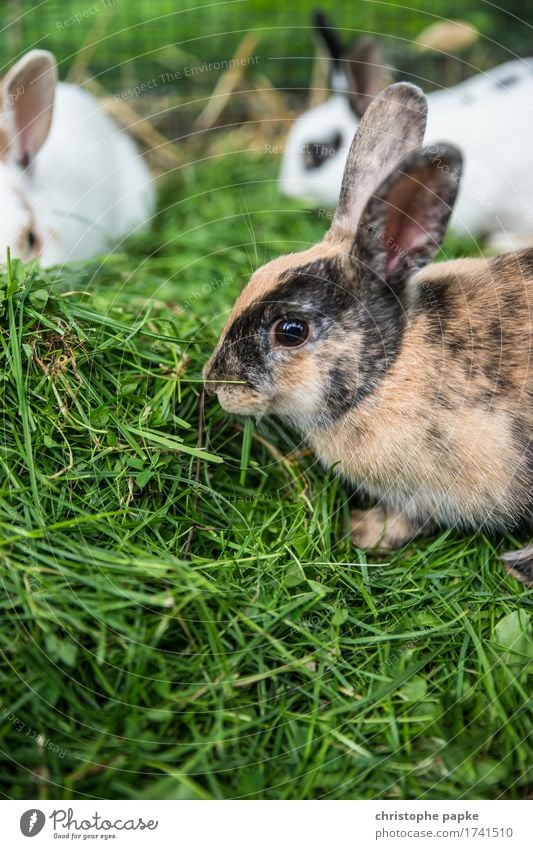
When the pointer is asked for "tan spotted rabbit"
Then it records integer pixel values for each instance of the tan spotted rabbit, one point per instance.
(412, 380)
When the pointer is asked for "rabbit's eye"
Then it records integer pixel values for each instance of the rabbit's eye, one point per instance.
(32, 240)
(291, 332)
(316, 153)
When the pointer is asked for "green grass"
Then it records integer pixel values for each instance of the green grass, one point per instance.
(180, 621)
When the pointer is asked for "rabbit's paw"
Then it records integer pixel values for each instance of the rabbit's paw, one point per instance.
(381, 528)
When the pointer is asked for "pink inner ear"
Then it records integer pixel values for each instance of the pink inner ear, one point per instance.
(404, 244)
(409, 204)
(29, 97)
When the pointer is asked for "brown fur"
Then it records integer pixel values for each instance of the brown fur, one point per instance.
(394, 425)
(269, 276)
(474, 466)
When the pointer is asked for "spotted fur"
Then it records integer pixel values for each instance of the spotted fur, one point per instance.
(415, 383)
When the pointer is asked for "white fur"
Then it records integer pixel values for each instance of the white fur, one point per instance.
(493, 125)
(86, 189)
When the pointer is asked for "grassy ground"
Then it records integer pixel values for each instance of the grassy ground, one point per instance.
(185, 622)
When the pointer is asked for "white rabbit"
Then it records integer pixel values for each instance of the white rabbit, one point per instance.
(72, 183)
(490, 116)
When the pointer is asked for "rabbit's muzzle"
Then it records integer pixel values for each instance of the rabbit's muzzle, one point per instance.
(235, 395)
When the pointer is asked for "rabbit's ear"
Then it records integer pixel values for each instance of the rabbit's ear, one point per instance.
(392, 127)
(328, 37)
(28, 98)
(367, 74)
(404, 224)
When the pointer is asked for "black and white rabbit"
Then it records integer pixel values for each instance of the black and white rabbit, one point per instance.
(489, 116)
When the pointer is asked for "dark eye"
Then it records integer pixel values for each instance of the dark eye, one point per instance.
(291, 332)
(316, 153)
(32, 240)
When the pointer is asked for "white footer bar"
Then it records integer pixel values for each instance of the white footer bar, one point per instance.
(247, 824)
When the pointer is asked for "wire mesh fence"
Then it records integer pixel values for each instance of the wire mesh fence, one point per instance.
(163, 54)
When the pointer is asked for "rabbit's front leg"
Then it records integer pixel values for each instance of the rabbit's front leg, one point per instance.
(381, 528)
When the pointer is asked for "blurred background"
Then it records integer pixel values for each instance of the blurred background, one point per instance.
(151, 56)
